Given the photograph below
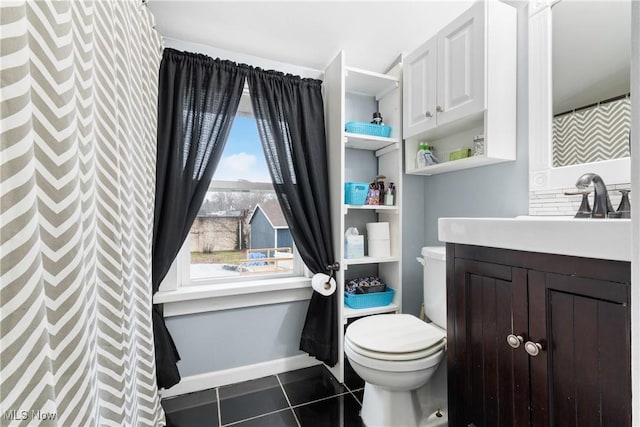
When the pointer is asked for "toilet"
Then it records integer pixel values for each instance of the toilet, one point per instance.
(396, 354)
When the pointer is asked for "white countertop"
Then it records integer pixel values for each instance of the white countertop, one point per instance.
(590, 238)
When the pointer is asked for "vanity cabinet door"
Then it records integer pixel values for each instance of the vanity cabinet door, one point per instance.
(581, 375)
(419, 89)
(488, 379)
(572, 366)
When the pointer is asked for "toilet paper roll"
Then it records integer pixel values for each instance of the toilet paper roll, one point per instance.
(379, 248)
(323, 284)
(377, 230)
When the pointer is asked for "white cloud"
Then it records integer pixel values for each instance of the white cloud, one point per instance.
(242, 166)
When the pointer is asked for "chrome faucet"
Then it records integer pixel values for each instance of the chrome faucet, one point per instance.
(601, 202)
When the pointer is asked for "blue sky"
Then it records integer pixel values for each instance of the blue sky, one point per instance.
(243, 157)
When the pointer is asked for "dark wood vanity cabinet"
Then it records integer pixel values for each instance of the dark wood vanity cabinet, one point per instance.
(537, 339)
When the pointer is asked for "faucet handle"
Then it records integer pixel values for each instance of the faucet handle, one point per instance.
(575, 193)
(584, 211)
(624, 209)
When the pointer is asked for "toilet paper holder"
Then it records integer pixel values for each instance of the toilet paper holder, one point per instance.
(332, 268)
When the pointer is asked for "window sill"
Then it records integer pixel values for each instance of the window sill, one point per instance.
(204, 298)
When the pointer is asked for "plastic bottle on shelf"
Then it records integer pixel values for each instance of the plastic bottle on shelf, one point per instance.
(430, 156)
(421, 161)
(390, 195)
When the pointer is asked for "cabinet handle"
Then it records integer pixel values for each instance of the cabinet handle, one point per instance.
(439, 109)
(533, 348)
(428, 114)
(514, 340)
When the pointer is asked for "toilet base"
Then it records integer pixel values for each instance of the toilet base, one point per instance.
(385, 408)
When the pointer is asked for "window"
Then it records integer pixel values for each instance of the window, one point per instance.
(192, 287)
(240, 233)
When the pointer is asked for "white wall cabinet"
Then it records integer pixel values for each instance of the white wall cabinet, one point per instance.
(419, 89)
(461, 67)
(462, 83)
(354, 95)
(444, 77)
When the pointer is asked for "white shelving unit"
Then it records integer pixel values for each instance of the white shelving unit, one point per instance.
(355, 94)
(362, 142)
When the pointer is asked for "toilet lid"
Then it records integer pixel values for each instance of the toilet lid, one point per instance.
(394, 334)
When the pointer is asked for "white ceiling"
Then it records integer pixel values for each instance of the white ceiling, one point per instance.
(308, 33)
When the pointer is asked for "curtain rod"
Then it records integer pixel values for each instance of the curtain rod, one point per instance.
(606, 101)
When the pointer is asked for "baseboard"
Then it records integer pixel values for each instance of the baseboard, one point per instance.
(242, 373)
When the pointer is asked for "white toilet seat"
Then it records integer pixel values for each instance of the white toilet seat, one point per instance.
(394, 337)
(414, 365)
(414, 355)
(394, 342)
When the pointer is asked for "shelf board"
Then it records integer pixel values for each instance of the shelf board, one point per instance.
(463, 124)
(370, 260)
(369, 83)
(454, 165)
(368, 142)
(349, 312)
(390, 209)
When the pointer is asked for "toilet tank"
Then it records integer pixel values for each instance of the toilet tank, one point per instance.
(435, 284)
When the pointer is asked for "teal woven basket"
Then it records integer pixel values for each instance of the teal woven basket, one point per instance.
(365, 128)
(355, 193)
(376, 299)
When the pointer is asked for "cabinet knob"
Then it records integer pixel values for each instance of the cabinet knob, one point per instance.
(514, 340)
(533, 348)
(428, 114)
(439, 109)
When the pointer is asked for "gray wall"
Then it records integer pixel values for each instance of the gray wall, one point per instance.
(414, 222)
(213, 341)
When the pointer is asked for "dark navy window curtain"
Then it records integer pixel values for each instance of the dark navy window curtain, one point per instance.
(198, 99)
(290, 115)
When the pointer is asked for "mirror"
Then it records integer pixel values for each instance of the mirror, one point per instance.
(579, 73)
(591, 80)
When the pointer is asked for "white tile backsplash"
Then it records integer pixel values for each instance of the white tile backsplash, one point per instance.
(555, 202)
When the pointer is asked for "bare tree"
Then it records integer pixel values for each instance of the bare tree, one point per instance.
(223, 201)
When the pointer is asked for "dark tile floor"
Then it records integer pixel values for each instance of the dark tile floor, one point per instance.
(307, 397)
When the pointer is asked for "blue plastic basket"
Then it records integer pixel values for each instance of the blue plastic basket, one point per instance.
(376, 299)
(355, 193)
(365, 128)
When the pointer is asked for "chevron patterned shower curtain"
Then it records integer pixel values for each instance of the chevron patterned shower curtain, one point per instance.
(78, 101)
